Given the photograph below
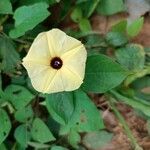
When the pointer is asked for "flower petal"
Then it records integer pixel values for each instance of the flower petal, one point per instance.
(60, 42)
(47, 45)
(64, 80)
(71, 80)
(56, 39)
(56, 84)
(70, 44)
(75, 60)
(39, 50)
(40, 75)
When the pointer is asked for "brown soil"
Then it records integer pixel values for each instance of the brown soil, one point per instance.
(136, 123)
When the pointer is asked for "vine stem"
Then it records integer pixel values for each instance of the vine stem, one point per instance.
(22, 41)
(132, 139)
(81, 35)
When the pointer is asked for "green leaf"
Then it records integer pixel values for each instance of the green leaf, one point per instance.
(82, 118)
(95, 44)
(87, 7)
(10, 57)
(5, 125)
(19, 80)
(22, 135)
(109, 7)
(24, 114)
(18, 95)
(74, 138)
(80, 1)
(39, 146)
(142, 88)
(65, 9)
(30, 86)
(132, 56)
(3, 147)
(27, 17)
(40, 132)
(53, 125)
(76, 14)
(94, 40)
(5, 7)
(97, 140)
(91, 7)
(141, 83)
(60, 106)
(120, 26)
(30, 2)
(85, 25)
(102, 74)
(17, 146)
(116, 38)
(58, 148)
(147, 51)
(135, 27)
(135, 74)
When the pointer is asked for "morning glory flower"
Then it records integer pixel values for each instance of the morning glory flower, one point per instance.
(55, 62)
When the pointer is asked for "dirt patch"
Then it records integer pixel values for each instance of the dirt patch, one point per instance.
(136, 123)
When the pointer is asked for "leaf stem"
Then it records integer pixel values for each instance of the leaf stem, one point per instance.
(137, 104)
(37, 145)
(4, 19)
(137, 75)
(133, 141)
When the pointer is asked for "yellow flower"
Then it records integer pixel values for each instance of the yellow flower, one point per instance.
(55, 62)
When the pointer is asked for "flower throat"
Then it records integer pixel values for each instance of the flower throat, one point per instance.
(56, 63)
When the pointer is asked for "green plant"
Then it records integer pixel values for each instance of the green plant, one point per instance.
(54, 121)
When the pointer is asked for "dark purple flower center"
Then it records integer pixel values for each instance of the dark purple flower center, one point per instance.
(56, 63)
